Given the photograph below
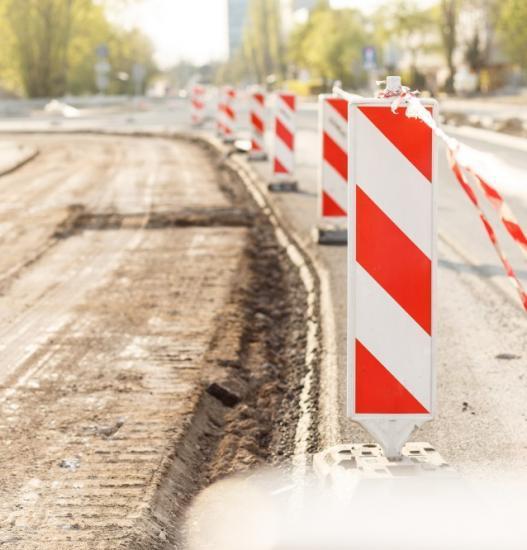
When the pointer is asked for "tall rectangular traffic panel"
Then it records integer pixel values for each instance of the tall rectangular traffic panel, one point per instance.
(391, 270)
(257, 115)
(197, 103)
(333, 175)
(284, 142)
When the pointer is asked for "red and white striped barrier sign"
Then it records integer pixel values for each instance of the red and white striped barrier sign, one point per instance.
(257, 116)
(197, 104)
(226, 113)
(391, 271)
(333, 175)
(284, 137)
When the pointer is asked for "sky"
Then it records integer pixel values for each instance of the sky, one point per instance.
(195, 30)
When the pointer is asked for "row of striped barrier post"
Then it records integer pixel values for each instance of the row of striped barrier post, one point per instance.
(376, 193)
(284, 129)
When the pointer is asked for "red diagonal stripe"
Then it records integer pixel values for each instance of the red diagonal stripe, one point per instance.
(377, 391)
(228, 111)
(335, 156)
(255, 146)
(515, 231)
(394, 261)
(289, 100)
(257, 123)
(330, 208)
(279, 168)
(412, 137)
(259, 98)
(340, 105)
(284, 134)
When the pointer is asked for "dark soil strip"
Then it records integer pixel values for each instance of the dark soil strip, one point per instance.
(79, 219)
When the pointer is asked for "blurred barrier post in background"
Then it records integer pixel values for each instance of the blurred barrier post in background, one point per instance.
(257, 116)
(284, 143)
(333, 171)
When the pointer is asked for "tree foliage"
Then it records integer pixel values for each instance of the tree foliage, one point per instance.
(329, 45)
(449, 18)
(512, 26)
(49, 46)
(263, 48)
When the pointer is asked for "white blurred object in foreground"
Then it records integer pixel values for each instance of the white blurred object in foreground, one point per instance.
(266, 511)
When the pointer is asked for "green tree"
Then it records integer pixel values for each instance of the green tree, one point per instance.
(49, 46)
(90, 29)
(127, 48)
(412, 26)
(263, 50)
(449, 17)
(512, 27)
(330, 44)
(42, 30)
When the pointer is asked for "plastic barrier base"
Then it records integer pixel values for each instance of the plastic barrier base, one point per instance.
(283, 186)
(367, 461)
(257, 157)
(326, 234)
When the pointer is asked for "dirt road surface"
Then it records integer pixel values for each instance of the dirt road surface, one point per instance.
(129, 268)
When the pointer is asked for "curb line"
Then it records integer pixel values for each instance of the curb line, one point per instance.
(322, 331)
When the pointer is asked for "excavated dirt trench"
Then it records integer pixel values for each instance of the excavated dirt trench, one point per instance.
(249, 410)
(115, 438)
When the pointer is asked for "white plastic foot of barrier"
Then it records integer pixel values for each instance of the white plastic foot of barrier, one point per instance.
(329, 234)
(258, 156)
(367, 461)
(283, 186)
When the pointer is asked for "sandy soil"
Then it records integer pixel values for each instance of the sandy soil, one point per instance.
(151, 332)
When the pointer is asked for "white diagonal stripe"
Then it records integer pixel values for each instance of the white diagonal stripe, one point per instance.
(334, 185)
(284, 155)
(258, 109)
(395, 185)
(334, 125)
(285, 114)
(393, 337)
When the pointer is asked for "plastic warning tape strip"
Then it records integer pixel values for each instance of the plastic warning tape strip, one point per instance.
(415, 109)
(463, 181)
(507, 218)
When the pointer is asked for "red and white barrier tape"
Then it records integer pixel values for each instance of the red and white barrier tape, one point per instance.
(459, 158)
